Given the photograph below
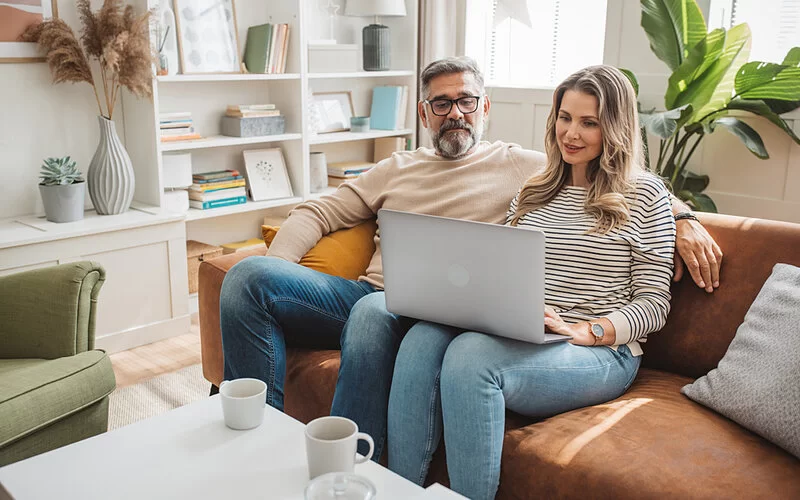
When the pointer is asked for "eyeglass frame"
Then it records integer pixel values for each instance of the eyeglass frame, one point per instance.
(455, 101)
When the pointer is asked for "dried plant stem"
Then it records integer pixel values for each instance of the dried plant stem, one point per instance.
(97, 98)
(105, 90)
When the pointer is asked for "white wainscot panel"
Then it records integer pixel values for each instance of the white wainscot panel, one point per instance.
(19, 269)
(137, 287)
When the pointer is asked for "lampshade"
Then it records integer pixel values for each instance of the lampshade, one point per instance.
(375, 8)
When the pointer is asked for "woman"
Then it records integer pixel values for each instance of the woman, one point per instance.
(610, 236)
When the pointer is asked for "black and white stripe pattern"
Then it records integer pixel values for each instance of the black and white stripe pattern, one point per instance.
(624, 275)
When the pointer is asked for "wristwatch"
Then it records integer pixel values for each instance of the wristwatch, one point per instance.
(598, 331)
(686, 215)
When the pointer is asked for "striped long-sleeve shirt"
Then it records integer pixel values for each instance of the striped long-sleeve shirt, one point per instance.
(623, 275)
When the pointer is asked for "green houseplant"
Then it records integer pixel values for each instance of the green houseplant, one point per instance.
(63, 190)
(712, 86)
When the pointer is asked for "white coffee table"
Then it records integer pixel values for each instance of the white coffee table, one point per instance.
(185, 453)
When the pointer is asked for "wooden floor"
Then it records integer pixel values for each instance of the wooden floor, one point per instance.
(147, 361)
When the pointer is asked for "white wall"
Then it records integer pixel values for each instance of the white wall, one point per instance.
(741, 184)
(39, 119)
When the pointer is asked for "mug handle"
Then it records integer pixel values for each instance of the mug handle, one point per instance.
(366, 437)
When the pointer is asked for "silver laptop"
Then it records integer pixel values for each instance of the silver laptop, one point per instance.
(472, 275)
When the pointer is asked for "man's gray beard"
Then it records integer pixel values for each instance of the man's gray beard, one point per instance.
(456, 145)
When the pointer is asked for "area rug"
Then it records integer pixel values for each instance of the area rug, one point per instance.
(156, 395)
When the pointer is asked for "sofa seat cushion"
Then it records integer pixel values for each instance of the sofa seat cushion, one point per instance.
(35, 393)
(653, 442)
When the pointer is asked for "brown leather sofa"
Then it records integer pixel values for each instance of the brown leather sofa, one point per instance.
(652, 442)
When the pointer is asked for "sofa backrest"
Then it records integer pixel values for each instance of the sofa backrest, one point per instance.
(700, 325)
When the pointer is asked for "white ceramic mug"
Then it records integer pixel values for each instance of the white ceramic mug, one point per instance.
(331, 444)
(243, 401)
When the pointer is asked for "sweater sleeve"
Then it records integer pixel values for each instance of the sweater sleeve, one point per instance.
(652, 249)
(354, 202)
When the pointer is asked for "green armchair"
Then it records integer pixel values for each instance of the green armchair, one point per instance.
(54, 386)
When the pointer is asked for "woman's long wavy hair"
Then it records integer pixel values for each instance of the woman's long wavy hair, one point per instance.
(611, 174)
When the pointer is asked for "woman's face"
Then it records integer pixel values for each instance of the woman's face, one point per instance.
(578, 128)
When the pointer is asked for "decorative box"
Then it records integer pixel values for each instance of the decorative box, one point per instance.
(197, 252)
(253, 126)
(177, 170)
(333, 58)
(176, 201)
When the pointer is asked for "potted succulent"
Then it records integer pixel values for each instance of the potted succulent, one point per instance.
(62, 189)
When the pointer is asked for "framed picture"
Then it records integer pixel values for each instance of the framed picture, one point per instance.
(266, 174)
(331, 111)
(207, 36)
(15, 17)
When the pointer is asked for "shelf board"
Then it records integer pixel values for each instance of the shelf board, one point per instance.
(227, 77)
(361, 74)
(196, 214)
(219, 141)
(357, 136)
(25, 230)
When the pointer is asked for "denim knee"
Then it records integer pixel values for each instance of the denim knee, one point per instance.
(465, 361)
(370, 327)
(251, 278)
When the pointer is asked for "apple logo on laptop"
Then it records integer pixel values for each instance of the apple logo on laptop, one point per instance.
(458, 275)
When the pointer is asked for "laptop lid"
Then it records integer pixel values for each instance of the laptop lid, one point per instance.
(472, 275)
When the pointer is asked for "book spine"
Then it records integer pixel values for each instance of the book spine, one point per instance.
(216, 174)
(217, 179)
(226, 202)
(215, 187)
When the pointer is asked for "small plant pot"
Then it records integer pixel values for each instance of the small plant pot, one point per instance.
(63, 203)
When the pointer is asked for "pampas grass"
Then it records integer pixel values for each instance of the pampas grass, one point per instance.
(114, 36)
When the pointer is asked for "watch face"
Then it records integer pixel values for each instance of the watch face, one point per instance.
(597, 330)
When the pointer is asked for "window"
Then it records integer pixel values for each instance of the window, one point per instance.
(567, 35)
(775, 24)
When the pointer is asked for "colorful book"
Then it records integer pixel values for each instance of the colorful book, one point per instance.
(385, 108)
(205, 205)
(219, 194)
(256, 48)
(221, 179)
(216, 174)
(216, 186)
(253, 113)
(186, 137)
(348, 168)
(250, 107)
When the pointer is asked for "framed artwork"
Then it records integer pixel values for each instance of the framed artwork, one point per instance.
(15, 17)
(266, 174)
(207, 36)
(331, 111)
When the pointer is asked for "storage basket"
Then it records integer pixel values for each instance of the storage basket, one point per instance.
(197, 252)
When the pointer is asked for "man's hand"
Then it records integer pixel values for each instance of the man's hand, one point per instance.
(697, 251)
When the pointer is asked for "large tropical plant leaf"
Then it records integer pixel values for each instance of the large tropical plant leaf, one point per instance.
(693, 182)
(760, 108)
(792, 57)
(713, 90)
(663, 124)
(701, 57)
(778, 85)
(673, 27)
(631, 78)
(745, 133)
(699, 201)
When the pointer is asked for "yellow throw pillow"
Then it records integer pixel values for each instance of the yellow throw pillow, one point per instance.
(344, 253)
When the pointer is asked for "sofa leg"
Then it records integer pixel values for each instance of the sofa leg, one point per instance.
(214, 390)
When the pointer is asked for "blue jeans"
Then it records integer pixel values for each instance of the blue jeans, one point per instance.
(463, 383)
(369, 347)
(268, 303)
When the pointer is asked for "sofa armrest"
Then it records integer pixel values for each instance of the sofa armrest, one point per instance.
(210, 277)
(50, 312)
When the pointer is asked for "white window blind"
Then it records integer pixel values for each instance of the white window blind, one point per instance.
(775, 24)
(566, 35)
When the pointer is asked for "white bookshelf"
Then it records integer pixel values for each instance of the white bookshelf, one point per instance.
(218, 141)
(358, 136)
(226, 77)
(250, 206)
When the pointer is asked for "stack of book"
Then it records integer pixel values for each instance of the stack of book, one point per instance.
(176, 127)
(346, 170)
(388, 111)
(217, 189)
(266, 48)
(251, 110)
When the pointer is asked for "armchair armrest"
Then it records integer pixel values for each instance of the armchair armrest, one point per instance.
(50, 312)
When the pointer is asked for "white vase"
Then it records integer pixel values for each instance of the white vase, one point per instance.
(110, 174)
(318, 169)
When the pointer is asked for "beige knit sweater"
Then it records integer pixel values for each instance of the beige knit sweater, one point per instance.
(478, 187)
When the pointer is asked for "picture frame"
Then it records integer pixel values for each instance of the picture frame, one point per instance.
(208, 38)
(331, 111)
(267, 177)
(17, 15)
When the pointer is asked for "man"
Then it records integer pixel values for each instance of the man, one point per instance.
(269, 302)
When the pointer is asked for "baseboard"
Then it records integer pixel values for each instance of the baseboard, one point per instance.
(142, 335)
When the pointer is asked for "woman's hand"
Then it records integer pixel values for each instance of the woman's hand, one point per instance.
(578, 331)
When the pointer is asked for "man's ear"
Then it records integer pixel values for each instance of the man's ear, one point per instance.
(423, 115)
(487, 104)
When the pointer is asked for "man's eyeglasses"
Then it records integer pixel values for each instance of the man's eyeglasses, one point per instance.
(466, 104)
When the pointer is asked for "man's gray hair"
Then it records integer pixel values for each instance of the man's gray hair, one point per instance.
(449, 66)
